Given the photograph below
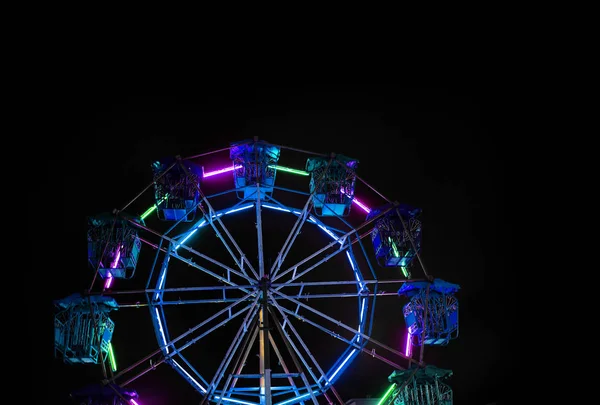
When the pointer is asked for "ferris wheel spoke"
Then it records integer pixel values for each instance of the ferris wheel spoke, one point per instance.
(355, 332)
(190, 263)
(223, 298)
(243, 274)
(179, 350)
(183, 335)
(284, 365)
(294, 232)
(343, 239)
(322, 382)
(248, 308)
(242, 256)
(233, 347)
(211, 218)
(351, 342)
(175, 245)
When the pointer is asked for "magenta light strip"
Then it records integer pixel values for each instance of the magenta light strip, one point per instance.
(357, 202)
(220, 171)
(361, 205)
(113, 265)
(408, 348)
(133, 402)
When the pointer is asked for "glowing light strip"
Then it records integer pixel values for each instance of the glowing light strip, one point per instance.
(341, 365)
(162, 332)
(190, 377)
(237, 209)
(289, 170)
(111, 357)
(408, 348)
(387, 394)
(361, 205)
(354, 269)
(155, 206)
(237, 401)
(362, 311)
(220, 171)
(278, 208)
(108, 281)
(161, 283)
(133, 402)
(203, 222)
(113, 265)
(287, 401)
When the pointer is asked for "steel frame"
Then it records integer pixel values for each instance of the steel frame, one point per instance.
(261, 303)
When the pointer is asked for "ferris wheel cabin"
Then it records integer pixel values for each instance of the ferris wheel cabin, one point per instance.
(420, 386)
(82, 328)
(392, 233)
(176, 189)
(441, 323)
(332, 181)
(113, 244)
(254, 163)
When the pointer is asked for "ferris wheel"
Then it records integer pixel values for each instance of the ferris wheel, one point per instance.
(260, 270)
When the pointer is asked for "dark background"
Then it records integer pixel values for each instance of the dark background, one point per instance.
(435, 148)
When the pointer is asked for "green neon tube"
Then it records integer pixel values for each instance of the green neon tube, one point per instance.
(151, 209)
(111, 358)
(289, 170)
(387, 394)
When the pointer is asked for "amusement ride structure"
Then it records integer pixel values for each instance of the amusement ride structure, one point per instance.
(292, 312)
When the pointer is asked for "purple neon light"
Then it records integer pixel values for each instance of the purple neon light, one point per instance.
(408, 348)
(108, 281)
(220, 171)
(357, 202)
(133, 402)
(113, 265)
(361, 205)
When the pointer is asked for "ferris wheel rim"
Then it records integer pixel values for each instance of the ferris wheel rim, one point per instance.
(335, 371)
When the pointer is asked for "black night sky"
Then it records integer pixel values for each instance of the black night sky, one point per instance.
(433, 148)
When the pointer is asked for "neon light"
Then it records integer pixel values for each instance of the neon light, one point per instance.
(405, 271)
(237, 401)
(289, 170)
(187, 237)
(162, 332)
(108, 281)
(328, 232)
(394, 248)
(151, 209)
(357, 202)
(387, 394)
(341, 365)
(408, 348)
(354, 269)
(162, 280)
(287, 401)
(190, 377)
(361, 205)
(113, 265)
(133, 402)
(116, 262)
(237, 209)
(277, 208)
(111, 357)
(220, 171)
(201, 224)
